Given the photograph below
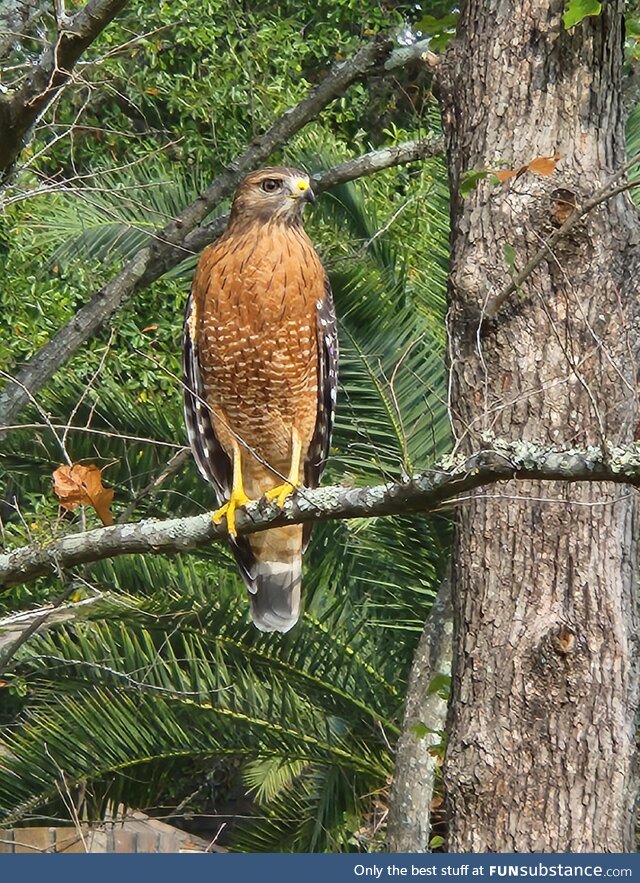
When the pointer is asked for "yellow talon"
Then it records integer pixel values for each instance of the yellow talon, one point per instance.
(236, 501)
(280, 493)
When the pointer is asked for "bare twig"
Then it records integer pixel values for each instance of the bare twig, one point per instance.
(33, 626)
(174, 464)
(15, 21)
(61, 440)
(85, 391)
(20, 427)
(19, 110)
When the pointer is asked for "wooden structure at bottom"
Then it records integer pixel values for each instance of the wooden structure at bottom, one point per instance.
(136, 834)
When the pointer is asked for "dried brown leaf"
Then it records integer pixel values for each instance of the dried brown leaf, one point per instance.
(505, 174)
(80, 485)
(542, 165)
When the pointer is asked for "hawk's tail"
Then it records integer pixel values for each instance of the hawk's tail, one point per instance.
(275, 606)
(274, 584)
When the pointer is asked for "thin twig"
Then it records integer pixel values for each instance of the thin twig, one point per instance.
(171, 467)
(604, 193)
(33, 627)
(19, 427)
(43, 414)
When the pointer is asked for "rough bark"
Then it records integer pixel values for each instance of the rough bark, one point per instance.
(414, 778)
(16, 18)
(542, 725)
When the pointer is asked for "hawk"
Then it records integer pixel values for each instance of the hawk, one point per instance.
(260, 377)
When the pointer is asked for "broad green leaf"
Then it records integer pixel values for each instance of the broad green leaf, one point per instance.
(441, 684)
(420, 730)
(470, 180)
(576, 11)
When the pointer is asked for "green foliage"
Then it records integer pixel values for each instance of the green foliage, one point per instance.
(160, 680)
(469, 180)
(509, 255)
(576, 11)
(179, 674)
(440, 684)
(440, 30)
(211, 687)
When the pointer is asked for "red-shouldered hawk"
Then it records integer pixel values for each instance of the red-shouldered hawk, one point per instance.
(260, 377)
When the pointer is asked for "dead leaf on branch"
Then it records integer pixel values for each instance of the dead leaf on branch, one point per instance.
(542, 165)
(79, 485)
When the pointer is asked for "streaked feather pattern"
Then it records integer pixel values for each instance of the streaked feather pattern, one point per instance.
(260, 367)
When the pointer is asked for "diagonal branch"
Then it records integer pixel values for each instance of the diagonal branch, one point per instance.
(182, 237)
(350, 170)
(21, 109)
(430, 490)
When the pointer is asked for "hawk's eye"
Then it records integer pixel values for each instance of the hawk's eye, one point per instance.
(270, 185)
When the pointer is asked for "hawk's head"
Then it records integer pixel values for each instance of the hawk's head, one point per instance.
(272, 194)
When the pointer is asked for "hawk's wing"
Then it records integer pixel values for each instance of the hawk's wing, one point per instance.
(327, 331)
(210, 457)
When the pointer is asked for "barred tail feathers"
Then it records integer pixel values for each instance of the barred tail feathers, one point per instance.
(275, 595)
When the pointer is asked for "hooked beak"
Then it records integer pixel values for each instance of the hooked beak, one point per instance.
(301, 189)
(309, 196)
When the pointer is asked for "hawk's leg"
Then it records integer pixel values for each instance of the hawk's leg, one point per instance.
(238, 497)
(280, 493)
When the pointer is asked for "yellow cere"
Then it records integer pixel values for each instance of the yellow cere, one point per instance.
(302, 185)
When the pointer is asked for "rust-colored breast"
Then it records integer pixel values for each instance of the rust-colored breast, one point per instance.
(257, 293)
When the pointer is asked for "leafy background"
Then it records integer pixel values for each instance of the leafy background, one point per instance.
(159, 694)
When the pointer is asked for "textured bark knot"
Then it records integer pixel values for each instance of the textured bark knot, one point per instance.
(563, 205)
(564, 641)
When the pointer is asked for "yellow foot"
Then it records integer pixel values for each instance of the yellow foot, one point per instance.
(279, 494)
(229, 510)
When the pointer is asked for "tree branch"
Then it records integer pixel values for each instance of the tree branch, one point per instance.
(418, 51)
(20, 110)
(430, 490)
(177, 240)
(24, 626)
(408, 823)
(17, 628)
(359, 167)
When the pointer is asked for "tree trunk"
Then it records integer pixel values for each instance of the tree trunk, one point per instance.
(545, 684)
